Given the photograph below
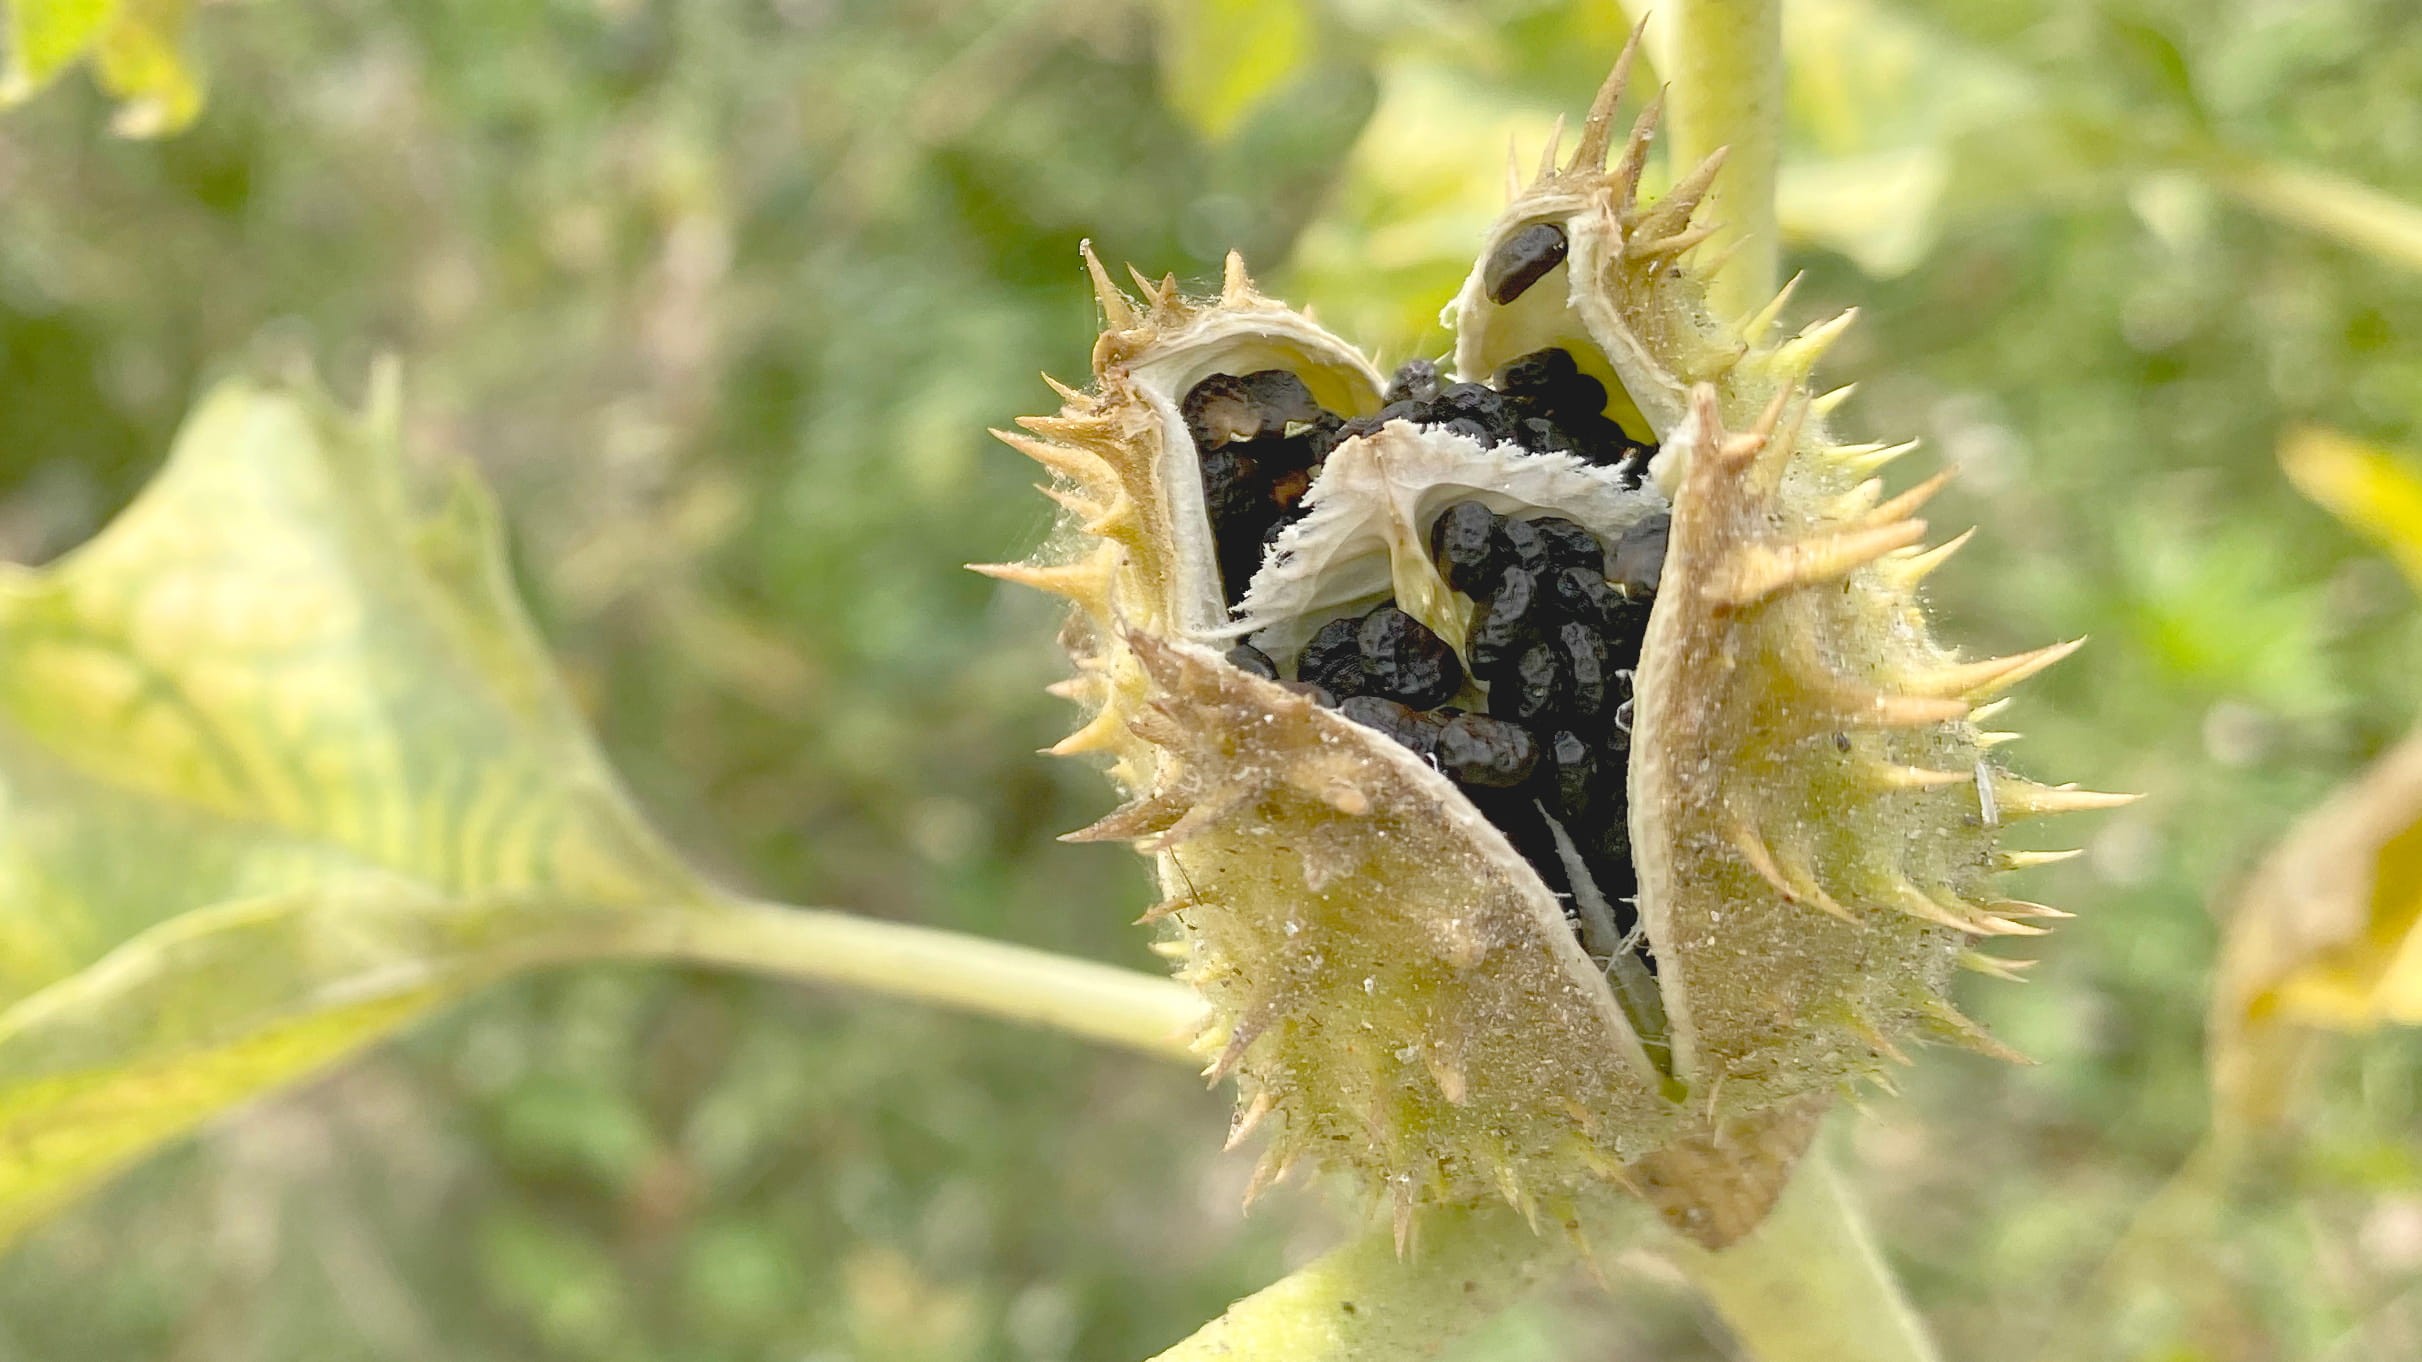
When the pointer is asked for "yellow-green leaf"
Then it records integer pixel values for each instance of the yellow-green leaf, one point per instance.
(281, 767)
(1221, 57)
(2374, 491)
(137, 50)
(2328, 931)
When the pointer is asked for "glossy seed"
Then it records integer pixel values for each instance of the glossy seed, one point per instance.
(1504, 624)
(1475, 402)
(1572, 765)
(1404, 661)
(1535, 687)
(1219, 409)
(1279, 399)
(1583, 594)
(1247, 658)
(1524, 545)
(1537, 372)
(1333, 659)
(1581, 655)
(1400, 722)
(1522, 260)
(1476, 749)
(1569, 545)
(1415, 381)
(1463, 540)
(1542, 436)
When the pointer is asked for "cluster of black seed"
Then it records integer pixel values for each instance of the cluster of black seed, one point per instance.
(1558, 622)
(1541, 402)
(1262, 438)
(1558, 615)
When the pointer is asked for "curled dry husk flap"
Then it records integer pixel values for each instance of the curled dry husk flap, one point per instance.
(1815, 816)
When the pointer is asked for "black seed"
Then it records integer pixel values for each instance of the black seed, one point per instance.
(1219, 409)
(1229, 407)
(1474, 749)
(1582, 593)
(1639, 556)
(1536, 686)
(1280, 397)
(1537, 372)
(1400, 722)
(1327, 430)
(1402, 660)
(1571, 765)
(1583, 662)
(1520, 262)
(1415, 381)
(1232, 486)
(1333, 657)
(1393, 411)
(1542, 436)
(1569, 545)
(1576, 397)
(1473, 400)
(1470, 429)
(1597, 440)
(1463, 540)
(1245, 657)
(1523, 544)
(1503, 625)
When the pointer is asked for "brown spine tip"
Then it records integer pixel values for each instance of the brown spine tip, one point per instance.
(1597, 131)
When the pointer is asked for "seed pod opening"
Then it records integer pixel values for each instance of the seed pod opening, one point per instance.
(1551, 773)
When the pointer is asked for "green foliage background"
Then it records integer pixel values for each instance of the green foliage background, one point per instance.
(720, 298)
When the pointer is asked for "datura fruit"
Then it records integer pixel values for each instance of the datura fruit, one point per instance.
(1551, 775)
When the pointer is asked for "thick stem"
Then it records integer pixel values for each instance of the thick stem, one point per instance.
(1809, 1284)
(1725, 71)
(1361, 1303)
(993, 978)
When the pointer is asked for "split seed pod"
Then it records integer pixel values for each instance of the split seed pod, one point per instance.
(1594, 907)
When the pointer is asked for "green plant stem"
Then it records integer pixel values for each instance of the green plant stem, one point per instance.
(1809, 1284)
(1361, 1303)
(1725, 74)
(991, 978)
(2329, 205)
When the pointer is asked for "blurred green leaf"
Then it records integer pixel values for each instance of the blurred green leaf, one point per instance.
(1221, 57)
(1878, 102)
(283, 766)
(2328, 932)
(136, 50)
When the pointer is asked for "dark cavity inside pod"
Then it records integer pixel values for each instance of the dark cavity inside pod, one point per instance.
(1468, 614)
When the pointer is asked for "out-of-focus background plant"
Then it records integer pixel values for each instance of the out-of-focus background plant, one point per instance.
(720, 299)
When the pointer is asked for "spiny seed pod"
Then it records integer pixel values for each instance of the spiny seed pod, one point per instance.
(1653, 816)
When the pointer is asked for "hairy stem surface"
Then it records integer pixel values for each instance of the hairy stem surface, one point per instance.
(1725, 75)
(1122, 1007)
(1361, 1303)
